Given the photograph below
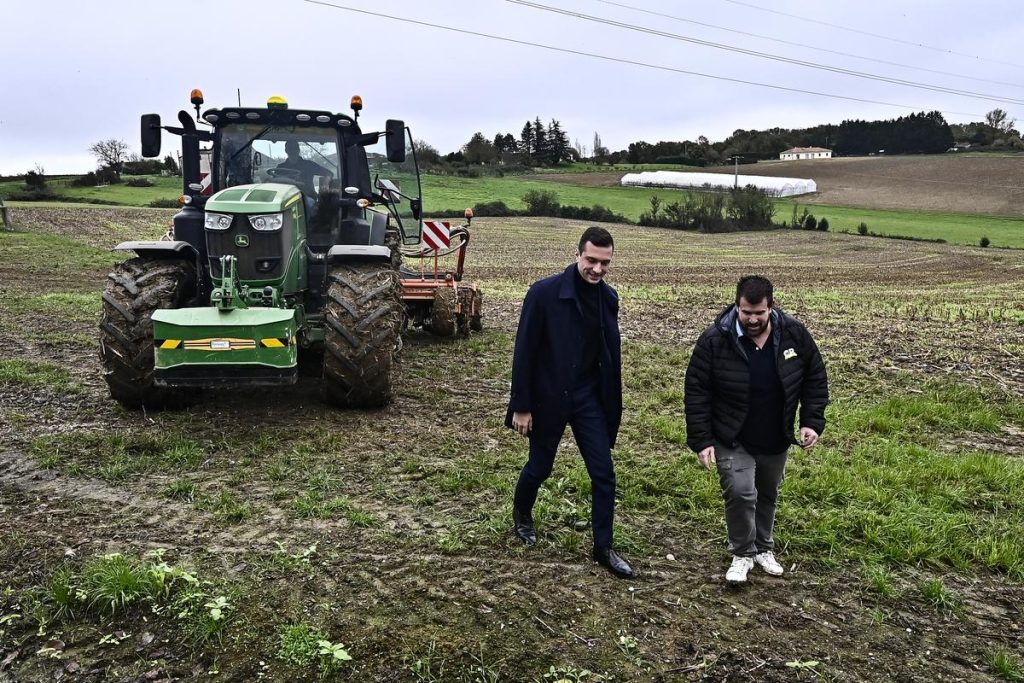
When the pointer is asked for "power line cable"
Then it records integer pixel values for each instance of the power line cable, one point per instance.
(808, 47)
(767, 55)
(874, 35)
(630, 62)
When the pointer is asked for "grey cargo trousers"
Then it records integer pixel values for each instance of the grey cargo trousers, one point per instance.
(750, 488)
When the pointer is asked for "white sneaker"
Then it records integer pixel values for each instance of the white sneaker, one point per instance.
(767, 562)
(738, 569)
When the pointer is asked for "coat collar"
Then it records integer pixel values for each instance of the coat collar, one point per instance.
(567, 283)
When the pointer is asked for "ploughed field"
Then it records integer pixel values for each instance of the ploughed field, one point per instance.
(259, 523)
(948, 183)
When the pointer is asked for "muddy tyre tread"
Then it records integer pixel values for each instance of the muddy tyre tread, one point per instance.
(442, 313)
(134, 290)
(361, 334)
(476, 322)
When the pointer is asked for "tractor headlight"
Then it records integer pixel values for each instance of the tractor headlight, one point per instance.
(217, 221)
(267, 222)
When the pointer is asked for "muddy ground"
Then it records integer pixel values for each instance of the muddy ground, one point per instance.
(426, 581)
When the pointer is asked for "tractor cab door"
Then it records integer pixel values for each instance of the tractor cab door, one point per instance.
(396, 184)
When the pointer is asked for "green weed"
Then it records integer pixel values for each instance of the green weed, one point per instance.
(224, 506)
(180, 489)
(1005, 665)
(939, 596)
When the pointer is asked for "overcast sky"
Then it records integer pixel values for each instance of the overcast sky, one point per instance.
(77, 72)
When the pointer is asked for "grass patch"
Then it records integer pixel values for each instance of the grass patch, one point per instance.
(224, 506)
(115, 455)
(955, 228)
(38, 374)
(44, 255)
(1005, 664)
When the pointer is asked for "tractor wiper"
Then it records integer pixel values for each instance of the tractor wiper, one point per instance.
(247, 144)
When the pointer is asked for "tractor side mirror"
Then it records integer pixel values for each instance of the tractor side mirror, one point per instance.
(417, 207)
(150, 131)
(395, 131)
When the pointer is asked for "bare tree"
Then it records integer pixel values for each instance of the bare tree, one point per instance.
(1000, 120)
(110, 153)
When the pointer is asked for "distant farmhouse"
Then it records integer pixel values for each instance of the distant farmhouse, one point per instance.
(805, 153)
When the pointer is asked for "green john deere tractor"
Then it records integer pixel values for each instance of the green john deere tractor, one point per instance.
(288, 248)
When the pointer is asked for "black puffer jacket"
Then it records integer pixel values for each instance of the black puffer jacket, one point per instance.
(718, 380)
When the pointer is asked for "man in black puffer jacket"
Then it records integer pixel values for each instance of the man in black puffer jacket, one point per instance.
(747, 374)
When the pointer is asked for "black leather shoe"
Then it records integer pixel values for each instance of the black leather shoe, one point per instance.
(524, 526)
(606, 557)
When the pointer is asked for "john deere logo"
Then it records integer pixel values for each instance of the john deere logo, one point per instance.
(241, 240)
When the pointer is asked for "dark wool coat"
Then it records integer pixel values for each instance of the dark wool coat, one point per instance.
(549, 347)
(718, 381)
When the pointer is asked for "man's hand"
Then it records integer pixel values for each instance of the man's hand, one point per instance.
(808, 437)
(707, 457)
(522, 423)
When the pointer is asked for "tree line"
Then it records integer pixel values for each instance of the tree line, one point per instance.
(536, 145)
(917, 133)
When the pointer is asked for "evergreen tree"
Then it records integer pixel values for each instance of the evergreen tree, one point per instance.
(558, 143)
(540, 143)
(527, 141)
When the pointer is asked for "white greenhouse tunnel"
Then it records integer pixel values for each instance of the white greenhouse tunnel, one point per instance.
(779, 187)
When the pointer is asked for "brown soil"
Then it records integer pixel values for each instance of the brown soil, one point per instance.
(946, 183)
(394, 590)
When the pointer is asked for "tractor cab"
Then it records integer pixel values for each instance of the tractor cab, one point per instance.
(341, 172)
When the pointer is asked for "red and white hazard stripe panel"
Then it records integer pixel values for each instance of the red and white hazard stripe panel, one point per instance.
(436, 234)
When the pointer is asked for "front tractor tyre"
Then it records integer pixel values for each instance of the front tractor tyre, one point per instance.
(362, 320)
(135, 289)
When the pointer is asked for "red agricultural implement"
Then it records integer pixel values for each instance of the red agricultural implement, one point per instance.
(435, 296)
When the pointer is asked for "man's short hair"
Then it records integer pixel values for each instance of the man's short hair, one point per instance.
(599, 237)
(754, 289)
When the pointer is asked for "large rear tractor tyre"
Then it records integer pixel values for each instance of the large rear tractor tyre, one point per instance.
(361, 333)
(442, 313)
(476, 322)
(135, 289)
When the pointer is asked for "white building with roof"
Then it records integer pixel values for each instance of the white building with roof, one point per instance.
(805, 153)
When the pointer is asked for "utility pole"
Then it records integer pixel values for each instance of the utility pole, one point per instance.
(736, 171)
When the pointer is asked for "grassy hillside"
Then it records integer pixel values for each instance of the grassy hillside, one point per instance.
(586, 185)
(120, 194)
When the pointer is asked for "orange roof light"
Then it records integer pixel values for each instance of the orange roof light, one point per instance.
(356, 103)
(196, 97)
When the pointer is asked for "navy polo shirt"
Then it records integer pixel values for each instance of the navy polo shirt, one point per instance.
(762, 432)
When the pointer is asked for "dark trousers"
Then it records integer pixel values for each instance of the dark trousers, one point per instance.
(591, 431)
(750, 488)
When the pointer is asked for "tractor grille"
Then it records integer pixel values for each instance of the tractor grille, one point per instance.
(260, 255)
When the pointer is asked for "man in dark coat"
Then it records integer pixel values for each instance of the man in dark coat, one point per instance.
(567, 370)
(747, 374)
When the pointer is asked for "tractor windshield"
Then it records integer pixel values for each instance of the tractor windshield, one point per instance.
(303, 156)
